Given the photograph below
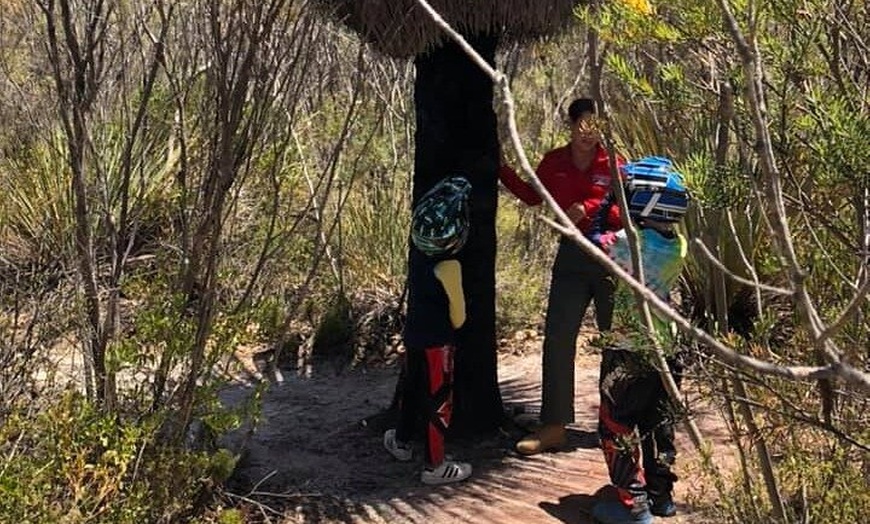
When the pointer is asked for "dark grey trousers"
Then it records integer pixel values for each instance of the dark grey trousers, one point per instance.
(577, 280)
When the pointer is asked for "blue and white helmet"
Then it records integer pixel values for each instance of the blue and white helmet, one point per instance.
(655, 190)
(440, 222)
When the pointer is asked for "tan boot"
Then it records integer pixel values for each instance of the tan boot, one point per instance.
(550, 436)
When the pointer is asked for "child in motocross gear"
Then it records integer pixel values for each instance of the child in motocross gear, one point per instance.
(436, 309)
(633, 397)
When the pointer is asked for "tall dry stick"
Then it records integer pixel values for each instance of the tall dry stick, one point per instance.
(77, 88)
(824, 347)
(596, 60)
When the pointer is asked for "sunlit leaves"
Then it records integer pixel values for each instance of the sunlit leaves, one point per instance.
(628, 75)
(715, 187)
(837, 137)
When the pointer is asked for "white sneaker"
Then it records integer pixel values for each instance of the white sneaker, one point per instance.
(449, 471)
(400, 451)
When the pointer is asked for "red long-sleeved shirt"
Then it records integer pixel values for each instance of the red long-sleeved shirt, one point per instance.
(569, 185)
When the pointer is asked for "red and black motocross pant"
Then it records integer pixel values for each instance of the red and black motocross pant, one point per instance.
(636, 425)
(427, 393)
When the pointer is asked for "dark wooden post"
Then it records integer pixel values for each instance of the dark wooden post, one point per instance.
(457, 135)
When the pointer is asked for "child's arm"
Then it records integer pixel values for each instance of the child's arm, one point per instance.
(449, 273)
(600, 220)
(617, 248)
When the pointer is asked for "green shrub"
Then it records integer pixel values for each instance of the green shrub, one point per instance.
(824, 484)
(72, 464)
(831, 480)
(523, 272)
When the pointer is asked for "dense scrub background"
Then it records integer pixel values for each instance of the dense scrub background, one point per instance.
(179, 182)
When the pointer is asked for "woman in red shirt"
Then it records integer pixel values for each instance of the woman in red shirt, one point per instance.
(578, 175)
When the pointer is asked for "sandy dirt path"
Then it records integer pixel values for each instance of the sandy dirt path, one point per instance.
(311, 460)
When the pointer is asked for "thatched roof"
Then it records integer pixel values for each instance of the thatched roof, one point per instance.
(401, 28)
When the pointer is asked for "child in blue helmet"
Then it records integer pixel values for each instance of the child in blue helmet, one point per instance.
(635, 407)
(436, 309)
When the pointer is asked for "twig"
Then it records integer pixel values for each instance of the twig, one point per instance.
(262, 480)
(259, 505)
(851, 308)
(821, 424)
(746, 262)
(719, 265)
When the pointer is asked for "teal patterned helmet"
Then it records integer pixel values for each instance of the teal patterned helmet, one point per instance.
(440, 222)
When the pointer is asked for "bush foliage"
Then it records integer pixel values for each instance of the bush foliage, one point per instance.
(224, 207)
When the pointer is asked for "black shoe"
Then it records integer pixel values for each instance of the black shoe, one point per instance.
(663, 506)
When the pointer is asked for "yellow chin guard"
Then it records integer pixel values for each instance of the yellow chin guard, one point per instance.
(449, 273)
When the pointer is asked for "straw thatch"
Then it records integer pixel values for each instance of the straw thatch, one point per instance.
(401, 28)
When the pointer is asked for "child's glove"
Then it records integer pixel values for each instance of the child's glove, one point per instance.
(606, 239)
(449, 273)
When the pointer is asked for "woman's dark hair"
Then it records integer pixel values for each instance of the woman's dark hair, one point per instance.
(580, 107)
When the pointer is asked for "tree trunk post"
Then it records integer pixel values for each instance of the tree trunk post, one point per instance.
(457, 134)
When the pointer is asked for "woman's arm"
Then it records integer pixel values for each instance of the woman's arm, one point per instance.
(519, 187)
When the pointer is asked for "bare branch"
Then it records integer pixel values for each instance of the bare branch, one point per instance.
(824, 348)
(737, 278)
(850, 309)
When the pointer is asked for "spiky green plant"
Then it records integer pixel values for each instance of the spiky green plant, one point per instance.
(37, 210)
